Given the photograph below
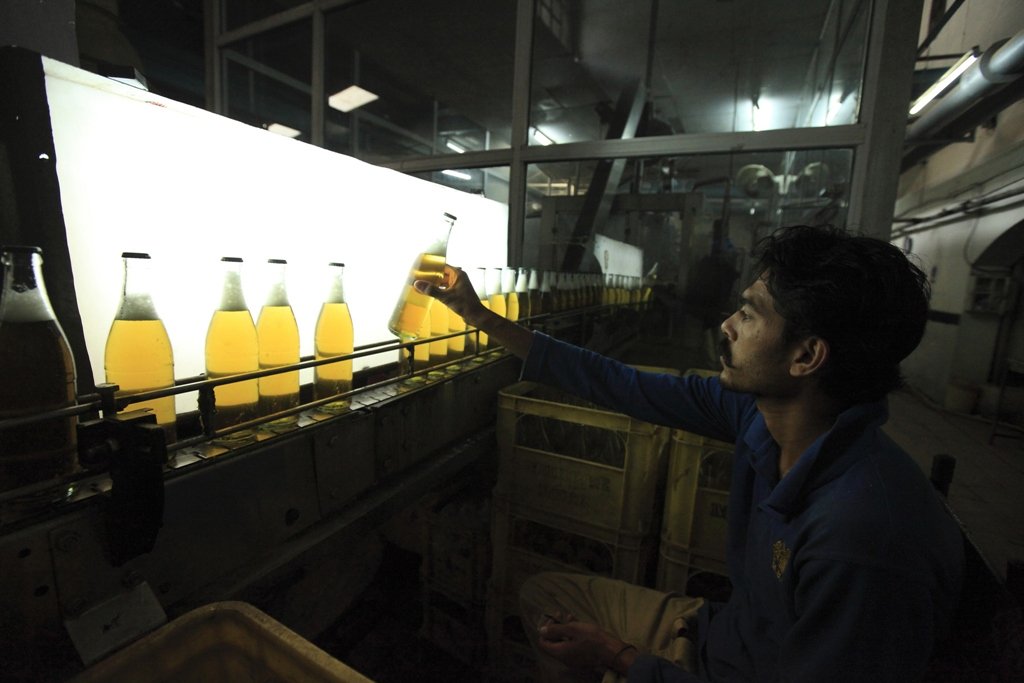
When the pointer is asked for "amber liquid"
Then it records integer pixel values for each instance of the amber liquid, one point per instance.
(482, 339)
(497, 302)
(407, 319)
(334, 337)
(438, 326)
(278, 335)
(512, 312)
(231, 349)
(38, 374)
(138, 357)
(456, 345)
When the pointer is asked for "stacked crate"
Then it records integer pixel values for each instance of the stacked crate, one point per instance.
(694, 525)
(455, 571)
(579, 489)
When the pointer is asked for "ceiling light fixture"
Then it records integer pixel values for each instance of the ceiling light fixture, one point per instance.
(457, 174)
(351, 98)
(281, 129)
(761, 114)
(945, 80)
(454, 147)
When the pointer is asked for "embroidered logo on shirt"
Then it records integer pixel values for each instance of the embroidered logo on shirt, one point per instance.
(780, 558)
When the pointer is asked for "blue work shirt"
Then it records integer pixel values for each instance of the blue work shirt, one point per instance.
(846, 569)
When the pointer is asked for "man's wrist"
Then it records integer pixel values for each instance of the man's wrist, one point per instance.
(623, 658)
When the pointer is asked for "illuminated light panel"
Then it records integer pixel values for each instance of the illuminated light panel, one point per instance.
(457, 174)
(454, 147)
(540, 138)
(351, 98)
(281, 129)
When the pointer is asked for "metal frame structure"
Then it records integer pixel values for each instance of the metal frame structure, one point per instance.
(876, 139)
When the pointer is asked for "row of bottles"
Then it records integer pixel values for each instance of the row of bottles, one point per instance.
(138, 355)
(39, 374)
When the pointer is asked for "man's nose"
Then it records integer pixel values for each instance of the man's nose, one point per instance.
(727, 328)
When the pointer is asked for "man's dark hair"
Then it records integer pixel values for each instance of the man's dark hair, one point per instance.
(861, 295)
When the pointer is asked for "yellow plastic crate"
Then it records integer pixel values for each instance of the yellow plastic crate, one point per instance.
(224, 642)
(564, 456)
(697, 495)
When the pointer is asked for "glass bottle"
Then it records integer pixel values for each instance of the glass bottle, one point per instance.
(334, 336)
(232, 348)
(495, 296)
(547, 296)
(438, 350)
(534, 288)
(407, 319)
(38, 374)
(522, 291)
(508, 288)
(457, 344)
(278, 335)
(138, 355)
(480, 286)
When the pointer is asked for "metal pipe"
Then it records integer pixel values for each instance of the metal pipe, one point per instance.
(999, 65)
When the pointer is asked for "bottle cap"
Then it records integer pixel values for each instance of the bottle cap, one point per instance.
(232, 259)
(277, 260)
(21, 249)
(336, 264)
(134, 254)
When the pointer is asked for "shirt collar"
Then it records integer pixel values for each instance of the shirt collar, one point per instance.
(830, 455)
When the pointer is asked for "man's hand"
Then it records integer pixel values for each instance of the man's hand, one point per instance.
(458, 295)
(583, 645)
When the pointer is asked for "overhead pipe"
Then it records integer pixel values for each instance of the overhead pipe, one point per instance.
(1001, 64)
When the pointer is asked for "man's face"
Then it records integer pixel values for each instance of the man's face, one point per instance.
(754, 357)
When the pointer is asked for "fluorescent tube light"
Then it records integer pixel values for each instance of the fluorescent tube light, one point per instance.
(946, 80)
(454, 147)
(281, 129)
(541, 138)
(457, 174)
(351, 98)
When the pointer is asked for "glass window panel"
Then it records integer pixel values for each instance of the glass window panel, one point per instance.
(491, 183)
(241, 12)
(268, 79)
(712, 67)
(442, 71)
(676, 208)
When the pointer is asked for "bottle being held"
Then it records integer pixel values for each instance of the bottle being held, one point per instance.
(138, 355)
(334, 337)
(232, 348)
(407, 318)
(278, 335)
(38, 374)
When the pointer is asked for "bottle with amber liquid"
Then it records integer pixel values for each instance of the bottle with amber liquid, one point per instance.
(37, 374)
(533, 286)
(406, 321)
(480, 287)
(278, 334)
(334, 336)
(138, 355)
(522, 292)
(508, 290)
(457, 345)
(232, 348)
(547, 295)
(495, 294)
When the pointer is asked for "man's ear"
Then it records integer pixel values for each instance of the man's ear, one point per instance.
(809, 357)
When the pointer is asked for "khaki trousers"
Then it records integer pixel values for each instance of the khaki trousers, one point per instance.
(651, 620)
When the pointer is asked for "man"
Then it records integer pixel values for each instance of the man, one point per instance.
(844, 562)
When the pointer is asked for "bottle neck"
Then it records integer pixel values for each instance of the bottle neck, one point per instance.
(336, 293)
(232, 296)
(136, 300)
(277, 295)
(24, 292)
